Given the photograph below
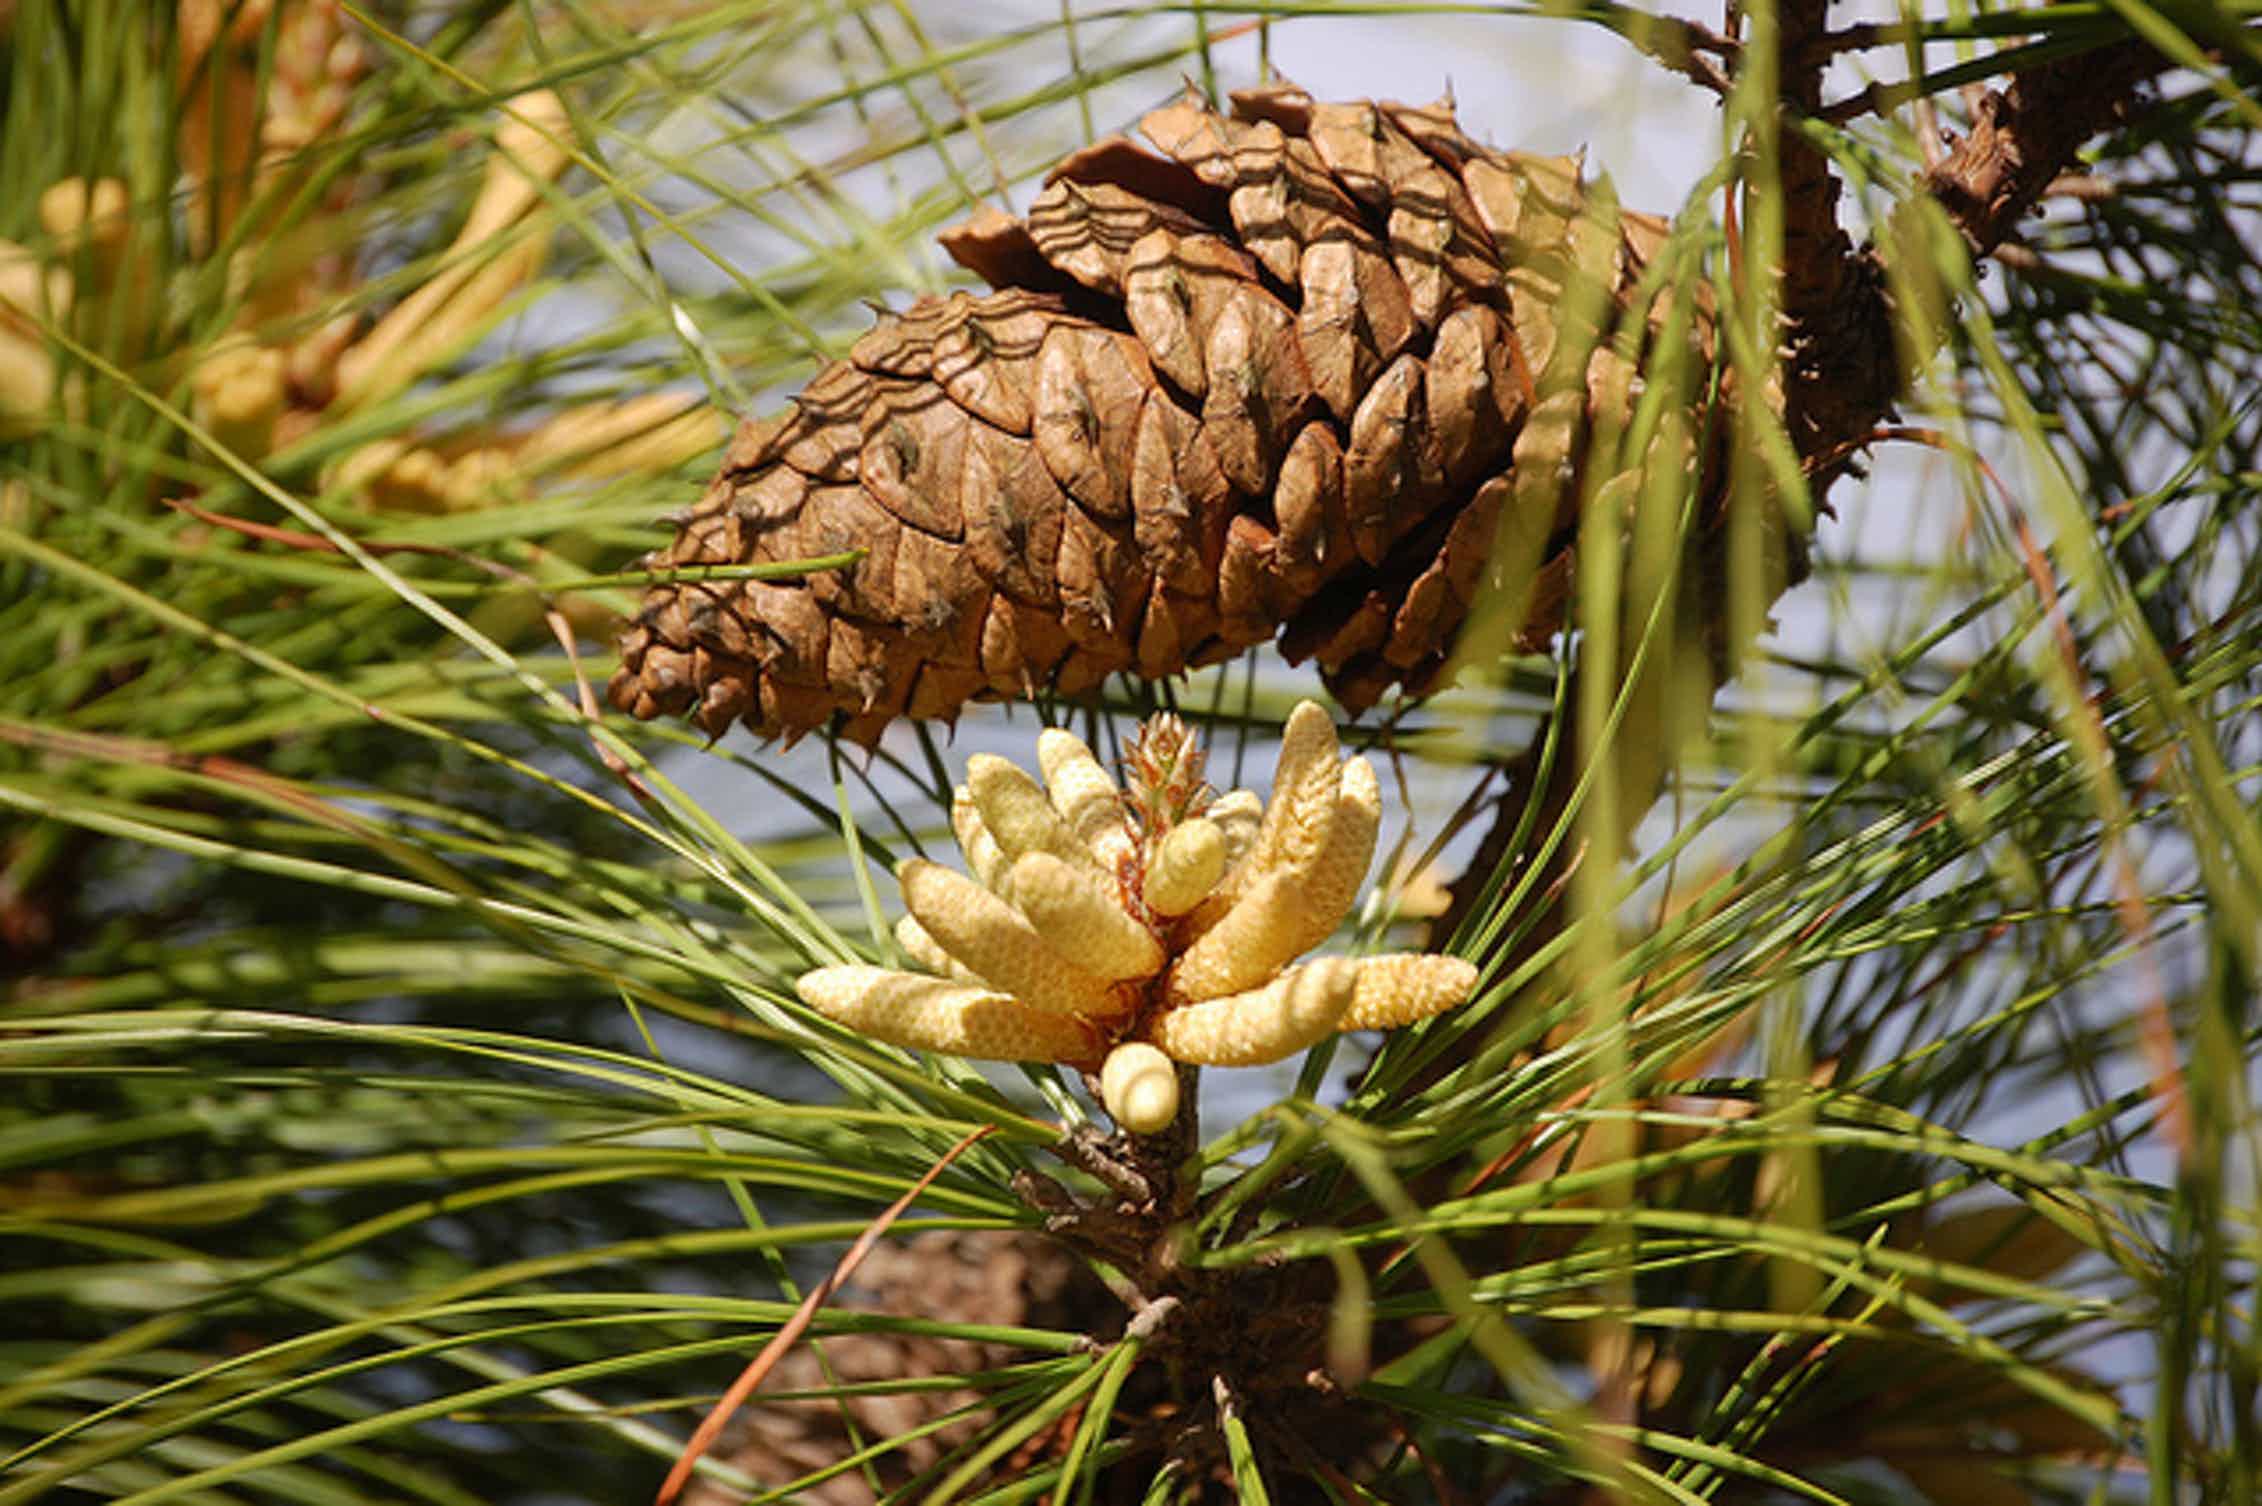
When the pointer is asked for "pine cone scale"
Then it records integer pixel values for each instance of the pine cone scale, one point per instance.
(825, 432)
(1180, 498)
(1091, 384)
(1391, 473)
(1014, 536)
(1307, 505)
(1356, 319)
(914, 457)
(1259, 386)
(906, 347)
(988, 362)
(1176, 287)
(1087, 229)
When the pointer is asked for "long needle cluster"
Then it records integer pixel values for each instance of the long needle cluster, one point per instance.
(1134, 929)
(265, 121)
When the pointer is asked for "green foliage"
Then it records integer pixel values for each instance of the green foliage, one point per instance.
(405, 1096)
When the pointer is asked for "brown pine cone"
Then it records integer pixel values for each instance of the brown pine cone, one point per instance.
(1286, 378)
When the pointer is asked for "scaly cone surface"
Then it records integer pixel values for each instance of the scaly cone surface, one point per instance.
(1291, 376)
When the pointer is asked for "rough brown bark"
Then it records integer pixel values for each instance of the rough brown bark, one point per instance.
(2024, 135)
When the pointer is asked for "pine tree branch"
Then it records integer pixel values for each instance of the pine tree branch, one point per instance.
(1842, 374)
(2023, 137)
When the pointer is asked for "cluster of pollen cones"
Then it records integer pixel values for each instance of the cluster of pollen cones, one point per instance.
(1310, 370)
(1133, 929)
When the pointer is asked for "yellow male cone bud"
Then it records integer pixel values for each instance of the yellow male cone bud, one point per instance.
(636, 436)
(90, 224)
(1078, 914)
(933, 1014)
(983, 859)
(27, 384)
(1295, 1010)
(1050, 956)
(1018, 812)
(77, 213)
(31, 290)
(1085, 796)
(30, 294)
(1305, 785)
(1139, 1085)
(1407, 986)
(996, 940)
(1332, 883)
(1185, 868)
(1304, 792)
(1257, 937)
(480, 268)
(923, 949)
(238, 393)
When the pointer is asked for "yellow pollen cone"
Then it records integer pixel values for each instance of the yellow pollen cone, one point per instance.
(479, 270)
(1186, 867)
(1238, 813)
(990, 936)
(923, 949)
(1304, 791)
(1296, 818)
(1048, 955)
(1407, 986)
(1294, 1010)
(983, 859)
(1079, 915)
(238, 392)
(1257, 938)
(1085, 796)
(94, 214)
(1019, 813)
(27, 385)
(933, 1014)
(1331, 884)
(635, 436)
